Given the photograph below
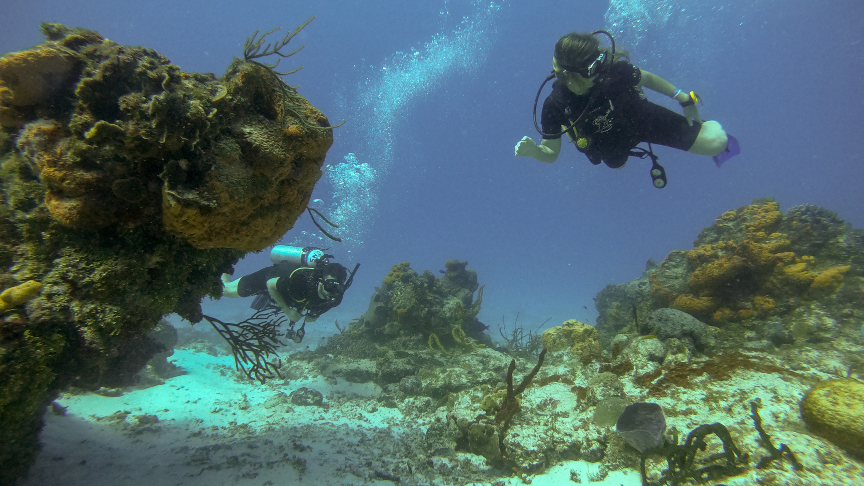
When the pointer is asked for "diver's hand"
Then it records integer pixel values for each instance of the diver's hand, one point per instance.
(229, 288)
(292, 314)
(691, 113)
(526, 148)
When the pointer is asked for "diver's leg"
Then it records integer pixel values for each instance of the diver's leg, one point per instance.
(711, 140)
(253, 284)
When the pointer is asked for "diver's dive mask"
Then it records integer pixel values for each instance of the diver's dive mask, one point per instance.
(331, 288)
(588, 71)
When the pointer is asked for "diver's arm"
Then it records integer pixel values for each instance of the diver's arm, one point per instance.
(660, 85)
(547, 151)
(280, 301)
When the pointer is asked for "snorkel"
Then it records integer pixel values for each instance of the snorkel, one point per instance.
(600, 64)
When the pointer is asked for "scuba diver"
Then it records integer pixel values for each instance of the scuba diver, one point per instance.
(302, 282)
(597, 100)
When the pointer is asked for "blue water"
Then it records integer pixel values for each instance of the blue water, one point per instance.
(436, 94)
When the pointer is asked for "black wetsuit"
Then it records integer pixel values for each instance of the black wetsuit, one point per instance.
(298, 286)
(618, 119)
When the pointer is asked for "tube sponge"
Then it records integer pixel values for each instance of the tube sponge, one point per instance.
(19, 294)
(642, 425)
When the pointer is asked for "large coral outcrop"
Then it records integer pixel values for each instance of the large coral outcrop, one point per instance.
(752, 269)
(120, 135)
(128, 187)
(578, 337)
(415, 319)
(440, 313)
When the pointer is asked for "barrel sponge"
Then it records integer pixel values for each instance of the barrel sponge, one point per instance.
(834, 409)
(19, 294)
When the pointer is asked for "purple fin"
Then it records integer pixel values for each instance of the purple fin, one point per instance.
(732, 149)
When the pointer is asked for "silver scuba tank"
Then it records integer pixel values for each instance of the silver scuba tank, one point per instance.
(301, 257)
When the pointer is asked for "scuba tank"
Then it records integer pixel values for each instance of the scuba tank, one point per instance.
(295, 256)
(300, 257)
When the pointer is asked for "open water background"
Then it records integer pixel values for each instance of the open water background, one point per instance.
(437, 93)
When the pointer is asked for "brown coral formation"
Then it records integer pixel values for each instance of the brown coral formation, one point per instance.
(128, 188)
(260, 179)
(143, 141)
(420, 311)
(752, 266)
(748, 275)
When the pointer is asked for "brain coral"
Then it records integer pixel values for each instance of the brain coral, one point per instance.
(834, 409)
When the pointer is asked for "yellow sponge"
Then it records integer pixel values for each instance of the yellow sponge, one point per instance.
(19, 294)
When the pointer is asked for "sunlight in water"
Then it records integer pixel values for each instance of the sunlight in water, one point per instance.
(382, 98)
(630, 20)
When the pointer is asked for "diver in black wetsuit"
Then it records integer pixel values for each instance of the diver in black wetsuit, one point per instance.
(598, 102)
(302, 282)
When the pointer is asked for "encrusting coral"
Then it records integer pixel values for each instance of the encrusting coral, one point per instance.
(128, 188)
(752, 265)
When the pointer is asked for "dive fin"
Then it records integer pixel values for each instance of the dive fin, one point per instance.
(732, 149)
(261, 301)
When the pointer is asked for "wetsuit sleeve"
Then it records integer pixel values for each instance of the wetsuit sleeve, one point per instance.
(624, 75)
(551, 118)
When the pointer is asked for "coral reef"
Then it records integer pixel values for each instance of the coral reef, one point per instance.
(125, 183)
(423, 310)
(709, 371)
(578, 337)
(420, 335)
(136, 139)
(751, 270)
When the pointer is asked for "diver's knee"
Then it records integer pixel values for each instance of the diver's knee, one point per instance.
(718, 143)
(711, 141)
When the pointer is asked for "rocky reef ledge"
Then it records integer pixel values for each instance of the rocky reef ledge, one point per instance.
(125, 185)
